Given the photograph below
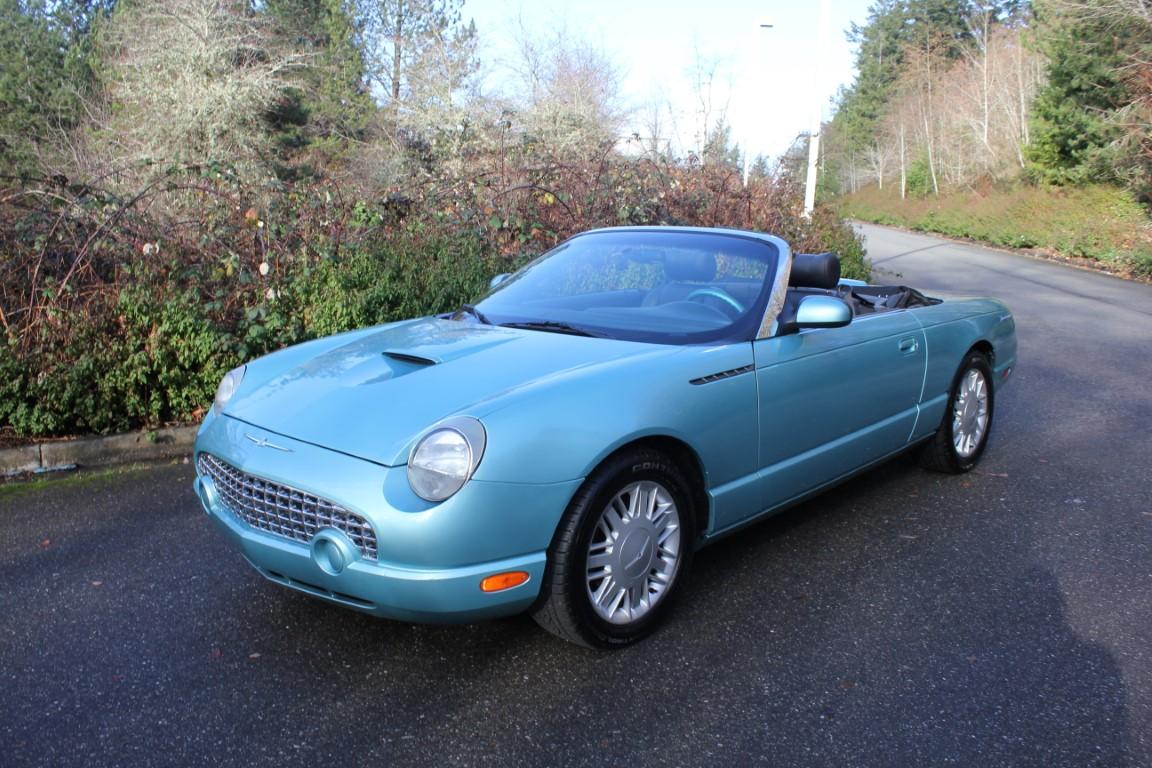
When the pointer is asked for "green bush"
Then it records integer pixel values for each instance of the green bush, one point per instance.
(150, 362)
(397, 278)
(918, 180)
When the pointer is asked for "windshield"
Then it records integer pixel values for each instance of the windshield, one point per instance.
(663, 286)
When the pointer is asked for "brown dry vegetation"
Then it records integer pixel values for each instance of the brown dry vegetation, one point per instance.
(123, 311)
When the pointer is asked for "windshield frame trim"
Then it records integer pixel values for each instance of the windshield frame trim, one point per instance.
(780, 260)
(770, 321)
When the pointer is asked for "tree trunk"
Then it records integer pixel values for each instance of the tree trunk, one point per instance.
(903, 166)
(930, 113)
(1025, 137)
(984, 86)
(397, 48)
(931, 156)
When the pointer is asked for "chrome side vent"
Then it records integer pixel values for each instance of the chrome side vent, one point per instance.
(723, 375)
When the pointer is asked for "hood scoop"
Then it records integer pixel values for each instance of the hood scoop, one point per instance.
(409, 358)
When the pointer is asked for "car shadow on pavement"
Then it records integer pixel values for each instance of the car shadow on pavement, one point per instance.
(890, 623)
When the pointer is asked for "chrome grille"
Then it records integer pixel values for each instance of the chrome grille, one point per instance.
(283, 510)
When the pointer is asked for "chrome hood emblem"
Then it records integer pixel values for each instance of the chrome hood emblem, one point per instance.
(262, 443)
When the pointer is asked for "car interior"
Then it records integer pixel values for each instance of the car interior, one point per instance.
(818, 274)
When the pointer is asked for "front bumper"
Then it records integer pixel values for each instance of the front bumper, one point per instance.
(430, 559)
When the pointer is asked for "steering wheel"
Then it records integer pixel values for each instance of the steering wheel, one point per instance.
(720, 295)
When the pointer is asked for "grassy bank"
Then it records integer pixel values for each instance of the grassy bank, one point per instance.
(1101, 223)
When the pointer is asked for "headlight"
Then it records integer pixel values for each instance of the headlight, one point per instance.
(445, 458)
(228, 386)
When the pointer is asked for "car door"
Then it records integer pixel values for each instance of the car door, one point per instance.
(833, 400)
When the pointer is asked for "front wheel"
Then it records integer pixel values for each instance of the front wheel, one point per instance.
(963, 433)
(620, 553)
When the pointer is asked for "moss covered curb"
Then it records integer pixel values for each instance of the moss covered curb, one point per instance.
(150, 445)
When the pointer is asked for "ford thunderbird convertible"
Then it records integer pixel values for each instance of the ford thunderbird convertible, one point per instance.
(565, 444)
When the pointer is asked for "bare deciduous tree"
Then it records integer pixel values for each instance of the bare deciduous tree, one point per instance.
(569, 93)
(421, 56)
(711, 100)
(956, 119)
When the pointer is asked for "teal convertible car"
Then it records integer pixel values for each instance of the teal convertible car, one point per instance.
(565, 444)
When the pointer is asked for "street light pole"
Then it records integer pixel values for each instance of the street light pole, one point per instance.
(814, 134)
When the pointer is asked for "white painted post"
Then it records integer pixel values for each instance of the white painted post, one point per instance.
(818, 108)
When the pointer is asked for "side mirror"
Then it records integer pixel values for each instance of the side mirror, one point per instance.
(498, 279)
(822, 312)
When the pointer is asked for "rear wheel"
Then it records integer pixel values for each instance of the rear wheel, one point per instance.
(620, 553)
(963, 433)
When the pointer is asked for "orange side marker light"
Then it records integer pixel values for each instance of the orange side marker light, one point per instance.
(503, 581)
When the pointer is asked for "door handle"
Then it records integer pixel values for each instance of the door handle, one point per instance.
(909, 345)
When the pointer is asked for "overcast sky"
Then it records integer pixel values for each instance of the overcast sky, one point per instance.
(770, 80)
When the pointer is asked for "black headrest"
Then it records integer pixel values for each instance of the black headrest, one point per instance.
(814, 270)
(691, 266)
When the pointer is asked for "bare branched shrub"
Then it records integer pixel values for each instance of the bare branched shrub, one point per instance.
(188, 81)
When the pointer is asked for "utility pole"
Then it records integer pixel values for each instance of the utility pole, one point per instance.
(814, 133)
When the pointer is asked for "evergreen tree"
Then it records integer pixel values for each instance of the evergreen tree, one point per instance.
(719, 149)
(891, 28)
(760, 168)
(1075, 138)
(329, 108)
(43, 72)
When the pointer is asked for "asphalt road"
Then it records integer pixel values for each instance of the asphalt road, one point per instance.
(905, 619)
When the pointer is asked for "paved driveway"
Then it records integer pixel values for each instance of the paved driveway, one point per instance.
(1001, 618)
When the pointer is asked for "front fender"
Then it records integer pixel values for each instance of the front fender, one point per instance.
(562, 429)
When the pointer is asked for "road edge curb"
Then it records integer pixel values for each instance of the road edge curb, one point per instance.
(1037, 254)
(147, 445)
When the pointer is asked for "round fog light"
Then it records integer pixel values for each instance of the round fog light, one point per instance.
(209, 497)
(332, 551)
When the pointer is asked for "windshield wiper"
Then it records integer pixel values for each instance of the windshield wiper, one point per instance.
(551, 326)
(468, 309)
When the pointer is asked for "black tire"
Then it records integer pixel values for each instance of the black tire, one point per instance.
(940, 454)
(566, 607)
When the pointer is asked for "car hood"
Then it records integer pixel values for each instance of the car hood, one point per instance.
(376, 391)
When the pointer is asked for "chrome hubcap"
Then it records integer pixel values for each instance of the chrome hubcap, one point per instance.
(634, 553)
(970, 413)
